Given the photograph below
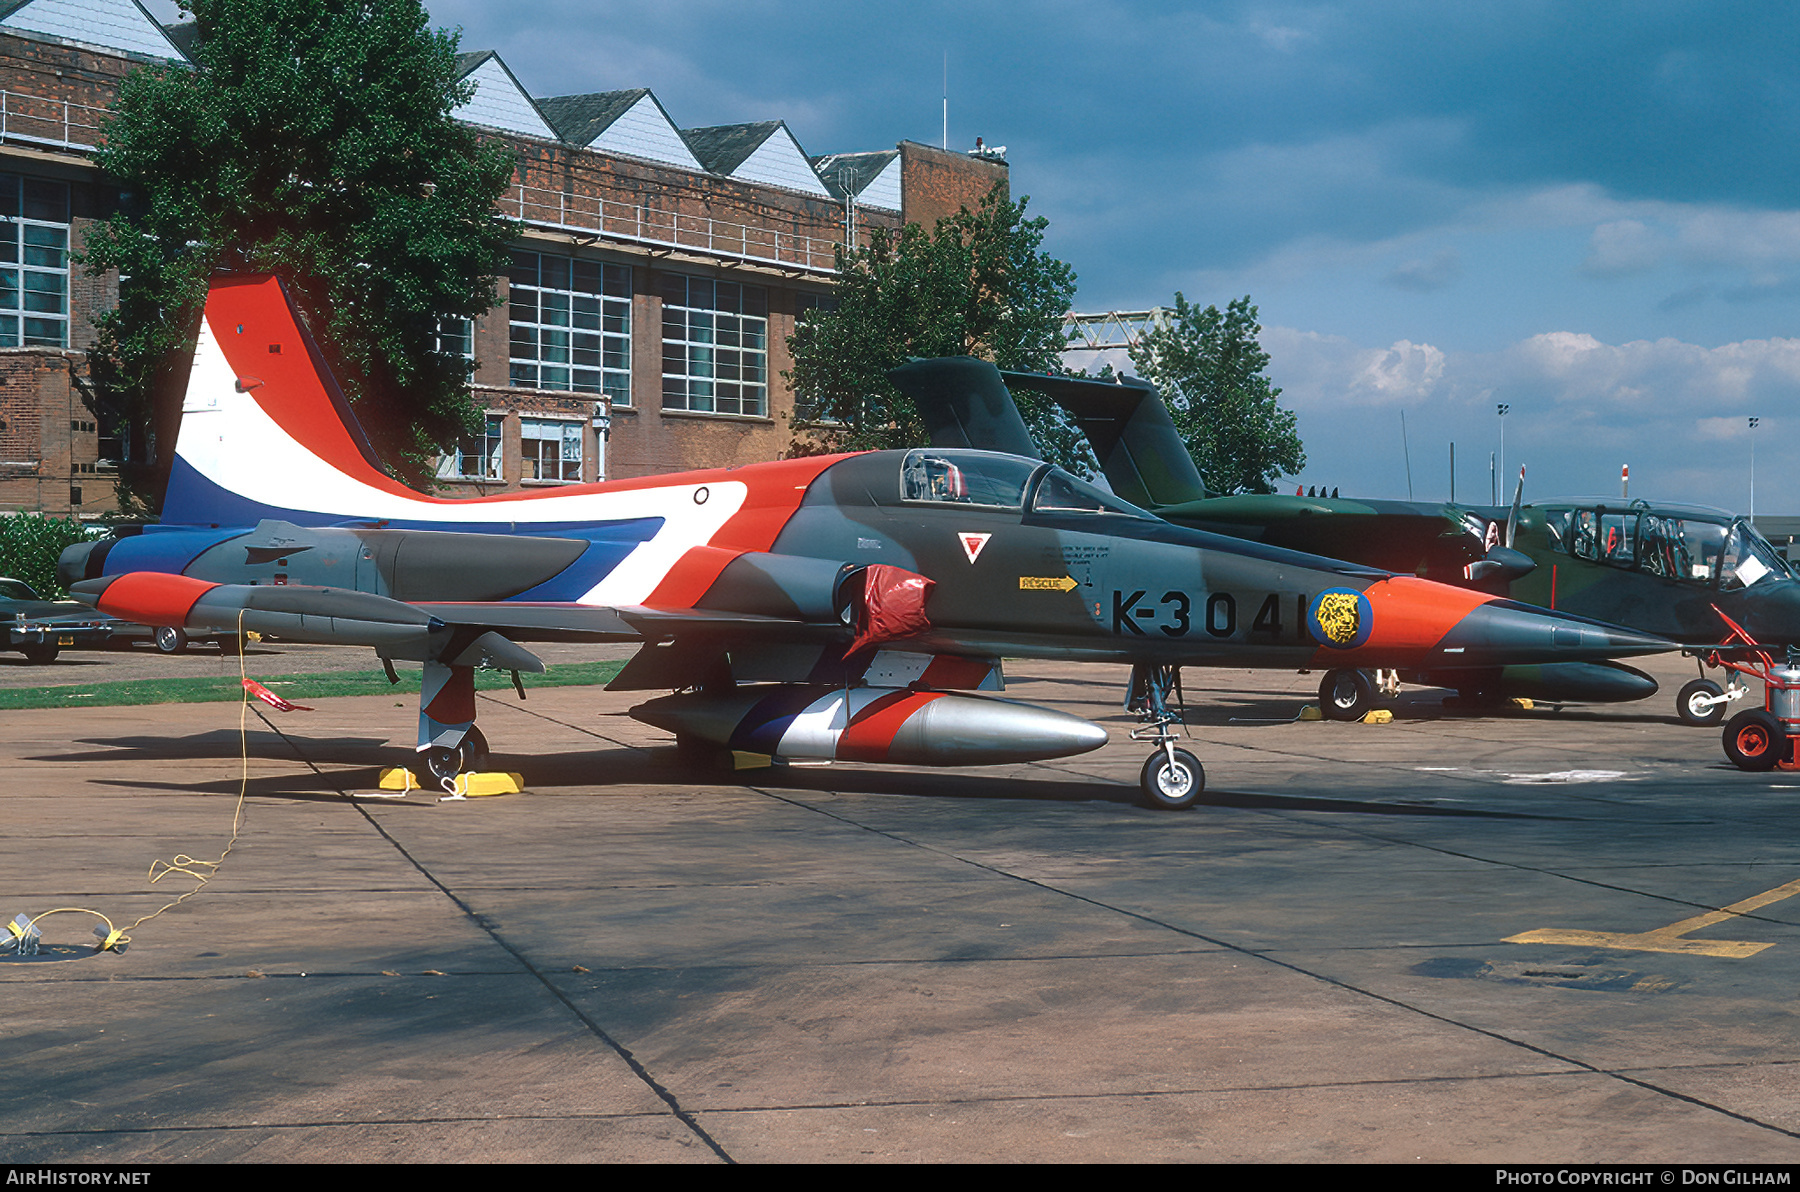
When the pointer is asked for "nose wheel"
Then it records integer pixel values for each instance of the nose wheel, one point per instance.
(1172, 779)
(1702, 702)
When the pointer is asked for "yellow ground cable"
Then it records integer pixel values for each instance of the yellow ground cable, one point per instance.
(113, 937)
(182, 863)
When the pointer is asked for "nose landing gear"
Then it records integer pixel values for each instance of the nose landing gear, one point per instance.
(1172, 779)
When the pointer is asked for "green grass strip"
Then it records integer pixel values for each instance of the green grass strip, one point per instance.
(299, 688)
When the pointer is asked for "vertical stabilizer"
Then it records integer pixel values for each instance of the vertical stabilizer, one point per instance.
(965, 404)
(1136, 441)
(263, 423)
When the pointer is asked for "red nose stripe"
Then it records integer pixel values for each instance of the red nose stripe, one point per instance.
(1409, 616)
(152, 598)
(868, 737)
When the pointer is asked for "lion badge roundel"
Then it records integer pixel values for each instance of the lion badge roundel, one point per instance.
(1340, 618)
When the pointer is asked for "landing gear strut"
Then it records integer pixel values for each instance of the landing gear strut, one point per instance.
(447, 762)
(1172, 778)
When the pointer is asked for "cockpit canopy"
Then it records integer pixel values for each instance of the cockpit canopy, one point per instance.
(988, 479)
(1692, 546)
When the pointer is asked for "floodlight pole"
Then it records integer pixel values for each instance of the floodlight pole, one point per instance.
(1753, 425)
(1503, 409)
(1406, 452)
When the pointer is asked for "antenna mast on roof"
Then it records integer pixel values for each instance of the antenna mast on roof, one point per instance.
(946, 99)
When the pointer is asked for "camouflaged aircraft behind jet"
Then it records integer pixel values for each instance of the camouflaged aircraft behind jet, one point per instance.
(1667, 570)
(831, 607)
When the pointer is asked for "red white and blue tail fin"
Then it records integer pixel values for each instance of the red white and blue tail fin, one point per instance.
(265, 431)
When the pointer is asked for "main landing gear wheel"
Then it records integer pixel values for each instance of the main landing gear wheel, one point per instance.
(170, 640)
(1694, 705)
(1755, 740)
(443, 762)
(1171, 786)
(1346, 694)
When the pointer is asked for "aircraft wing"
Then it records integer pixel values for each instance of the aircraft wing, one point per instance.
(1403, 536)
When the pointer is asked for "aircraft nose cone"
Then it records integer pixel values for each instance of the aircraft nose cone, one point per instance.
(1503, 633)
(1769, 612)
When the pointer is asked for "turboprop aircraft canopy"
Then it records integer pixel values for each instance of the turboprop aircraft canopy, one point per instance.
(1700, 547)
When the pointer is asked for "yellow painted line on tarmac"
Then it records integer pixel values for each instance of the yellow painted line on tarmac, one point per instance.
(1669, 939)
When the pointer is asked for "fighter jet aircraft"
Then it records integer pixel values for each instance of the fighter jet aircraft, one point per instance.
(831, 607)
(1667, 570)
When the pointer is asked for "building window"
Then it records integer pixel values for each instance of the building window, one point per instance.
(34, 262)
(477, 458)
(456, 337)
(550, 450)
(715, 346)
(571, 325)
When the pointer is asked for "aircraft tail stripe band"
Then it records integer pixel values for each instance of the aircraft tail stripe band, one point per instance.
(271, 357)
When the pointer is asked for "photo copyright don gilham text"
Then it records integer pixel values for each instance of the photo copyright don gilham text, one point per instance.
(1645, 1178)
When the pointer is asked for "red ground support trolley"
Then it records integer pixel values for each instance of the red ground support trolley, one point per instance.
(1768, 737)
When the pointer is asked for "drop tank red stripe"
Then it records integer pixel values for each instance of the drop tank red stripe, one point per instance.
(871, 734)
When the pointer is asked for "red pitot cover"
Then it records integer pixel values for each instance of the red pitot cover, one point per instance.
(269, 697)
(893, 606)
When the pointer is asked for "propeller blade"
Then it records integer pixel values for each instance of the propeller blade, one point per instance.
(1512, 519)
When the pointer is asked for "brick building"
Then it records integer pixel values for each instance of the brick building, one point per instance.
(644, 319)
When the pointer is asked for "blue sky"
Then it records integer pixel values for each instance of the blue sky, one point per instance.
(1589, 210)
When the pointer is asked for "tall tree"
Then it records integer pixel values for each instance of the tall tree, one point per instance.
(312, 139)
(978, 284)
(1209, 367)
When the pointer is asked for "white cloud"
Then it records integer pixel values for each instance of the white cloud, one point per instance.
(1329, 372)
(1735, 238)
(1581, 407)
(1404, 372)
(1622, 247)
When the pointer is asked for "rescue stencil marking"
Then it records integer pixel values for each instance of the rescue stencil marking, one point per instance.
(1669, 939)
(972, 544)
(1043, 583)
